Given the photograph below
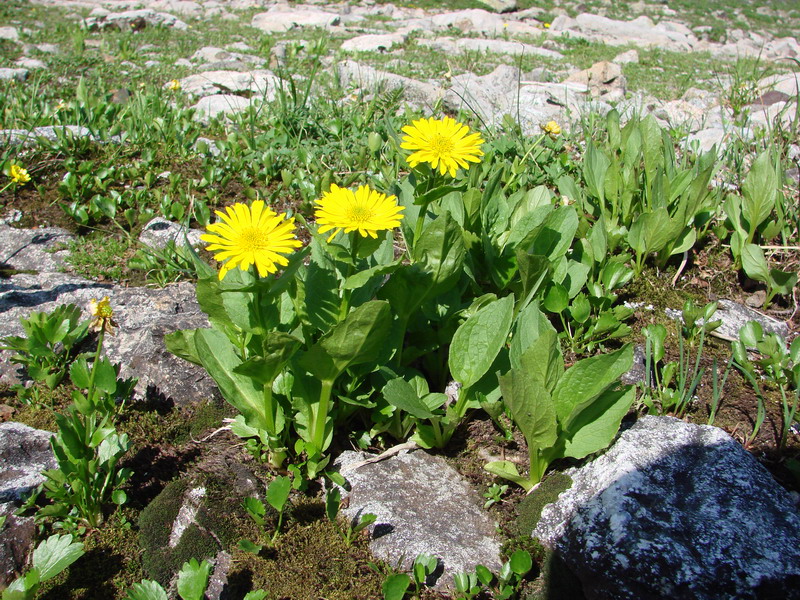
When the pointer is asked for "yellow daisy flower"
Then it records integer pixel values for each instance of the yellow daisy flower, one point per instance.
(174, 85)
(102, 316)
(444, 143)
(366, 211)
(19, 175)
(253, 235)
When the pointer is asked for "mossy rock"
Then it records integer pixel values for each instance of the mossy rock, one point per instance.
(530, 508)
(209, 506)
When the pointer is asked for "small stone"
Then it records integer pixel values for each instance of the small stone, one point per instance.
(30, 63)
(9, 33)
(627, 58)
(121, 96)
(8, 74)
(756, 299)
(6, 412)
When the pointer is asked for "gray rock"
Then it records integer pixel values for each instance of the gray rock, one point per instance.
(210, 54)
(144, 316)
(362, 77)
(258, 83)
(373, 42)
(675, 510)
(16, 542)
(50, 133)
(601, 78)
(10, 74)
(626, 58)
(159, 232)
(40, 250)
(9, 33)
(708, 138)
(30, 63)
(47, 48)
(423, 506)
(505, 47)
(24, 454)
(734, 316)
(280, 18)
(218, 105)
(133, 20)
(500, 6)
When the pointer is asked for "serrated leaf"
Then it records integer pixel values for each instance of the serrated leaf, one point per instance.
(55, 554)
(147, 590)
(193, 579)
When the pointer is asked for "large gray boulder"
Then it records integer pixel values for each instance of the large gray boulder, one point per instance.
(676, 511)
(423, 506)
(354, 75)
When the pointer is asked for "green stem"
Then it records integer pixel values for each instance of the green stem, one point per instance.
(319, 420)
(98, 352)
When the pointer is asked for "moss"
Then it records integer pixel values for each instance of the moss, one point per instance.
(109, 568)
(530, 509)
(310, 560)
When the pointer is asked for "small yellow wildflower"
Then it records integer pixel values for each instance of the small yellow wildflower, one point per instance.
(174, 85)
(61, 105)
(366, 211)
(552, 129)
(102, 316)
(19, 175)
(251, 235)
(444, 143)
(547, 25)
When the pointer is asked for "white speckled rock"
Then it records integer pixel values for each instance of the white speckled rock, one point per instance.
(422, 505)
(24, 454)
(676, 511)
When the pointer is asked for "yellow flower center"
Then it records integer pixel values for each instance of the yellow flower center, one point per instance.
(252, 239)
(358, 213)
(441, 145)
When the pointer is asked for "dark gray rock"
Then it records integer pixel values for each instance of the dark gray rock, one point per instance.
(24, 454)
(676, 511)
(16, 541)
(41, 250)
(423, 506)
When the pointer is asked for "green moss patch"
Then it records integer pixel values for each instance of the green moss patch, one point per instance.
(530, 508)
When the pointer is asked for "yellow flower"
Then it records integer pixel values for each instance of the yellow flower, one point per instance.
(102, 316)
(552, 129)
(444, 143)
(174, 85)
(366, 211)
(19, 175)
(547, 25)
(60, 106)
(253, 235)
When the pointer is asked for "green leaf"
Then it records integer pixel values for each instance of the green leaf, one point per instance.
(760, 190)
(595, 427)
(333, 500)
(441, 250)
(147, 590)
(521, 562)
(586, 380)
(754, 263)
(278, 349)
(220, 360)
(557, 299)
(193, 579)
(249, 546)
(359, 338)
(55, 554)
(531, 325)
(783, 282)
(479, 339)
(278, 492)
(255, 595)
(23, 587)
(508, 470)
(395, 586)
(182, 344)
(530, 403)
(362, 277)
(595, 165)
(79, 373)
(554, 236)
(400, 394)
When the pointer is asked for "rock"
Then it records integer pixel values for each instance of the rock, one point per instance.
(281, 18)
(24, 454)
(734, 316)
(220, 104)
(34, 249)
(499, 93)
(771, 97)
(708, 138)
(260, 83)
(505, 47)
(373, 42)
(210, 54)
(144, 316)
(633, 526)
(9, 33)
(47, 48)
(6, 412)
(10, 74)
(133, 20)
(354, 75)
(185, 521)
(16, 542)
(471, 20)
(423, 506)
(159, 232)
(601, 78)
(786, 84)
(182, 7)
(640, 31)
(626, 58)
(121, 96)
(50, 133)
(500, 6)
